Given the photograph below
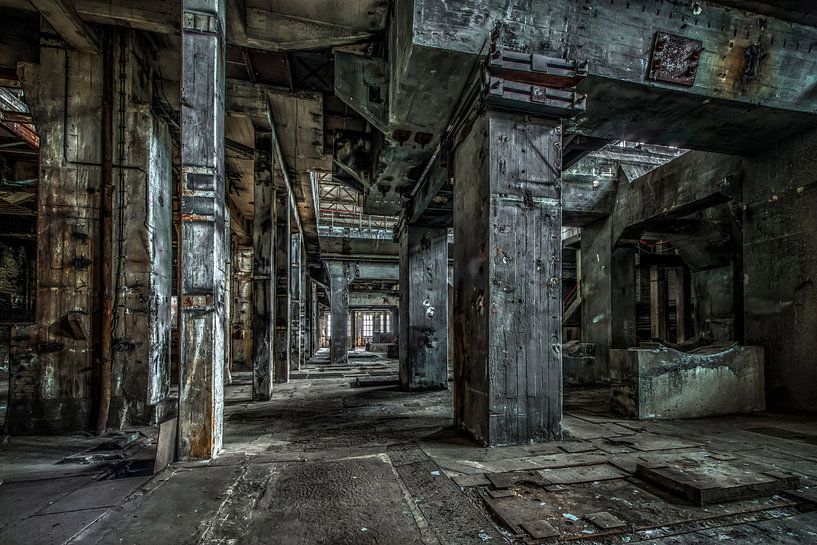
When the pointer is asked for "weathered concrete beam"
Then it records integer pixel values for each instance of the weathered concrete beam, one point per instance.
(263, 274)
(424, 308)
(275, 31)
(373, 299)
(692, 182)
(65, 20)
(362, 83)
(507, 281)
(745, 94)
(282, 28)
(202, 327)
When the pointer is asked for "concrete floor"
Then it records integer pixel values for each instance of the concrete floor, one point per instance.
(326, 463)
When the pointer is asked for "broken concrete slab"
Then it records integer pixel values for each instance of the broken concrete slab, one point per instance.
(581, 474)
(540, 529)
(711, 482)
(606, 521)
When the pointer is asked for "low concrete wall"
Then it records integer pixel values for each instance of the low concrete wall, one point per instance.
(664, 383)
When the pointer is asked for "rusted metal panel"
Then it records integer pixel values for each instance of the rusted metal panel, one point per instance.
(675, 59)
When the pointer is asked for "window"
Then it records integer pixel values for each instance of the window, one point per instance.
(368, 325)
(387, 322)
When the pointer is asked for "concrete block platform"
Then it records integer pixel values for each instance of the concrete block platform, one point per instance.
(664, 383)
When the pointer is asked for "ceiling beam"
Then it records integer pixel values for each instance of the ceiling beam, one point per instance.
(67, 23)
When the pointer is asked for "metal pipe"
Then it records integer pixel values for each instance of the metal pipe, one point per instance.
(106, 237)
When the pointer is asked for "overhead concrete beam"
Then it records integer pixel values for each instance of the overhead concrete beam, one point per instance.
(257, 28)
(752, 85)
(365, 271)
(65, 20)
(373, 299)
(362, 83)
(692, 182)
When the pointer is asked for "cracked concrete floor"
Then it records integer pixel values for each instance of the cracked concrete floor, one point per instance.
(326, 463)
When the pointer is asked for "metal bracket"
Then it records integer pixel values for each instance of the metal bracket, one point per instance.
(534, 99)
(536, 69)
(535, 84)
(199, 22)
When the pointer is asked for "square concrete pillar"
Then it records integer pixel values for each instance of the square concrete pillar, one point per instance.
(341, 275)
(424, 308)
(507, 280)
(608, 315)
(54, 371)
(201, 252)
(295, 302)
(281, 345)
(263, 275)
(57, 370)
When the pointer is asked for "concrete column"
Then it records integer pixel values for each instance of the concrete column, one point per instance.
(395, 320)
(682, 314)
(295, 302)
(54, 372)
(354, 327)
(201, 351)
(239, 335)
(622, 297)
(424, 308)
(658, 303)
(281, 343)
(263, 283)
(341, 275)
(316, 323)
(507, 280)
(141, 235)
(608, 294)
(304, 309)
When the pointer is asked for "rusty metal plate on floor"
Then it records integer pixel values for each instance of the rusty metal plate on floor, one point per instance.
(674, 59)
(707, 482)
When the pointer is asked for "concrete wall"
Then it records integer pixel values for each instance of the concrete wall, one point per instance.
(780, 267)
